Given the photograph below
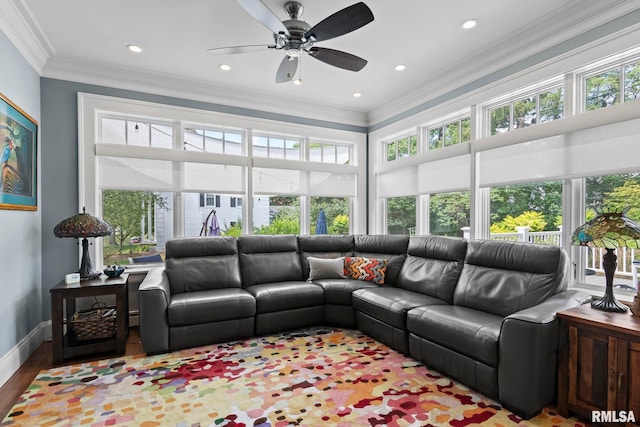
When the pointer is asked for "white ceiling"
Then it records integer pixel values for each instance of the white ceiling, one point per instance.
(85, 40)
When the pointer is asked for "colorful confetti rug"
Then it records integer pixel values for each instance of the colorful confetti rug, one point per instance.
(315, 377)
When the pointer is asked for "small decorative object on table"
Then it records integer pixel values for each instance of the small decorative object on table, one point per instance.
(609, 230)
(635, 307)
(113, 270)
(96, 322)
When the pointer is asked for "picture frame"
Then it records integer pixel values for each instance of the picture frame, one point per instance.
(18, 157)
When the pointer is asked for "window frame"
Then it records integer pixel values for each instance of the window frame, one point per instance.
(90, 149)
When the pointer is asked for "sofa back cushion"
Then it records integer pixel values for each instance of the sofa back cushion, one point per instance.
(391, 248)
(268, 259)
(323, 246)
(433, 266)
(502, 277)
(202, 263)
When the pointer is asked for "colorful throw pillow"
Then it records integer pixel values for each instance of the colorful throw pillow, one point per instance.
(323, 268)
(367, 269)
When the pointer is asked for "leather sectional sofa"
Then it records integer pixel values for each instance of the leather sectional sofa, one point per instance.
(482, 312)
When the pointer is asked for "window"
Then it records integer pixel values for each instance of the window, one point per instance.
(335, 211)
(402, 147)
(448, 134)
(137, 218)
(401, 215)
(449, 213)
(210, 200)
(527, 212)
(213, 141)
(135, 133)
(329, 153)
(278, 215)
(604, 88)
(612, 193)
(526, 111)
(202, 174)
(276, 147)
(220, 215)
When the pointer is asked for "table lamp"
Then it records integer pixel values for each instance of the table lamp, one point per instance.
(609, 230)
(83, 225)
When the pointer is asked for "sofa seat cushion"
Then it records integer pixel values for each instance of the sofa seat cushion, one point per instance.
(190, 308)
(465, 330)
(338, 291)
(280, 296)
(390, 304)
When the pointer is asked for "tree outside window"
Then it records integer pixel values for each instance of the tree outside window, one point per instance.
(449, 213)
(401, 215)
(128, 213)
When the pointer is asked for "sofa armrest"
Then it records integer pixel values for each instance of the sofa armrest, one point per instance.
(154, 295)
(528, 353)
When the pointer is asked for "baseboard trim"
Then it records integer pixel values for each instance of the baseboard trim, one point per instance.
(14, 358)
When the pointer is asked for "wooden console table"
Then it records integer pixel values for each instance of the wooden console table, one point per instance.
(599, 363)
(64, 345)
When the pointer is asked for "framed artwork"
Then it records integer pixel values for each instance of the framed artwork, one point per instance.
(18, 159)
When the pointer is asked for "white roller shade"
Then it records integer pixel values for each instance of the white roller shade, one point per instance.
(398, 182)
(327, 184)
(445, 175)
(590, 152)
(279, 181)
(303, 182)
(202, 177)
(121, 173)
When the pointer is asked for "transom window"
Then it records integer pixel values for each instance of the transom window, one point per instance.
(448, 134)
(399, 148)
(527, 110)
(213, 141)
(135, 132)
(603, 89)
(329, 153)
(276, 147)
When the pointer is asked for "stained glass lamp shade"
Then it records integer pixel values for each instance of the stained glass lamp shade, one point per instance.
(83, 225)
(609, 230)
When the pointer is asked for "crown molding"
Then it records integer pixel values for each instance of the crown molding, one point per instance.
(110, 75)
(486, 62)
(25, 34)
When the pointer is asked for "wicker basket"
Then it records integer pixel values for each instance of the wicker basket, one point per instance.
(96, 322)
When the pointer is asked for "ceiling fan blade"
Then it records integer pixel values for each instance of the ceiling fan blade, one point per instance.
(342, 22)
(232, 50)
(287, 69)
(262, 13)
(338, 58)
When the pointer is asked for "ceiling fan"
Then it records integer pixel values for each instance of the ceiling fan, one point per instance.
(296, 37)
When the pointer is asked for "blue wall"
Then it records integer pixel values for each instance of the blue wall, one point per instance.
(20, 255)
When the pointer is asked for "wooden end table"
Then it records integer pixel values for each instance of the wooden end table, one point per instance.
(64, 345)
(599, 363)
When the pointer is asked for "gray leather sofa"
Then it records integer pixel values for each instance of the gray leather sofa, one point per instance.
(482, 312)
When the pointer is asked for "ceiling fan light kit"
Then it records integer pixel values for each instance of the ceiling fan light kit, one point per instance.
(295, 37)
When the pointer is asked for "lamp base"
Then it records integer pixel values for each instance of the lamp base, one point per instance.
(86, 269)
(609, 303)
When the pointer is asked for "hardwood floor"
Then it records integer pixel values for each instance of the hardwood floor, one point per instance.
(41, 359)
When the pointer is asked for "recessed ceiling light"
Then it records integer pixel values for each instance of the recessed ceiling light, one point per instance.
(400, 67)
(357, 94)
(469, 23)
(134, 48)
(224, 67)
(297, 82)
